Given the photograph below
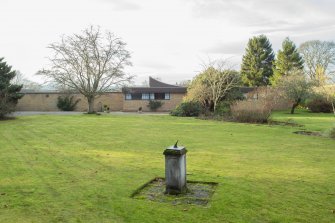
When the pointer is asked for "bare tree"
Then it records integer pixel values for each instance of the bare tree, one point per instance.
(213, 83)
(325, 86)
(21, 79)
(90, 63)
(220, 80)
(18, 79)
(316, 54)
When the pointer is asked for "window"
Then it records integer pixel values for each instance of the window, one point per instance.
(136, 96)
(167, 96)
(128, 96)
(152, 96)
(159, 96)
(148, 96)
(145, 96)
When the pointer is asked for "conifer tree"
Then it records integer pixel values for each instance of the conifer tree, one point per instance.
(9, 93)
(288, 59)
(256, 68)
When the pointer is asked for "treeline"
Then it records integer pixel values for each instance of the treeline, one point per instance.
(260, 66)
(295, 75)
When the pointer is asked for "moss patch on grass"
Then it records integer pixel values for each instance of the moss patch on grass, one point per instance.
(308, 133)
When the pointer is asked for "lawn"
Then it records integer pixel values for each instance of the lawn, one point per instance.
(84, 168)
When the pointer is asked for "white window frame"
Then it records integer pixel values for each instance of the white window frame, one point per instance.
(145, 96)
(167, 96)
(128, 96)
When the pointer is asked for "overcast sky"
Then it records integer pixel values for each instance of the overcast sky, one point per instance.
(168, 38)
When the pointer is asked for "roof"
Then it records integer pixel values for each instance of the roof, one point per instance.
(56, 92)
(156, 83)
(156, 86)
(154, 90)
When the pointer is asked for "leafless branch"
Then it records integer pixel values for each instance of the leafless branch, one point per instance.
(90, 62)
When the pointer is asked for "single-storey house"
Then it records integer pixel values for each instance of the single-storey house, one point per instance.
(169, 95)
(127, 99)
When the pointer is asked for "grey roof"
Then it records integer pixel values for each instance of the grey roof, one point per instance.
(156, 83)
(154, 90)
(56, 92)
(40, 91)
(156, 86)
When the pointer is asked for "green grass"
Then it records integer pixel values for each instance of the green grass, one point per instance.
(322, 122)
(84, 169)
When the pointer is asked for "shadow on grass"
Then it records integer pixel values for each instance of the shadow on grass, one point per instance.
(7, 118)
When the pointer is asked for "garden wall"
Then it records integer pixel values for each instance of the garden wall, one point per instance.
(48, 102)
(274, 96)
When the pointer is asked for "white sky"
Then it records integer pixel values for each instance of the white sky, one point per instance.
(168, 38)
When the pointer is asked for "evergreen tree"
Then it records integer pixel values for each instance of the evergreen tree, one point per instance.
(9, 93)
(257, 62)
(288, 59)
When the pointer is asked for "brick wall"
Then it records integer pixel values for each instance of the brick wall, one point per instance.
(272, 95)
(48, 102)
(133, 105)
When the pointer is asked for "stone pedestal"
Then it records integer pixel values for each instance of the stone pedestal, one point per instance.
(175, 169)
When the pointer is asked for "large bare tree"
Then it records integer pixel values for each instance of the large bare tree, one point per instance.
(90, 63)
(213, 83)
(318, 54)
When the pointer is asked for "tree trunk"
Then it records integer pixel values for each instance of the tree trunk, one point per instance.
(214, 107)
(90, 101)
(295, 105)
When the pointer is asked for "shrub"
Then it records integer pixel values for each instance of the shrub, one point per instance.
(154, 105)
(234, 95)
(67, 103)
(187, 109)
(106, 108)
(252, 111)
(223, 108)
(319, 103)
(9, 93)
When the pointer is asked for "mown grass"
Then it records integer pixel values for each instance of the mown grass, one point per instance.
(84, 169)
(322, 122)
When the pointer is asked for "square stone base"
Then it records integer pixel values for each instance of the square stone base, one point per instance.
(197, 193)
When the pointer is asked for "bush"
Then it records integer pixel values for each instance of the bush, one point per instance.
(154, 105)
(252, 111)
(234, 95)
(223, 108)
(187, 109)
(106, 108)
(319, 104)
(9, 93)
(67, 103)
